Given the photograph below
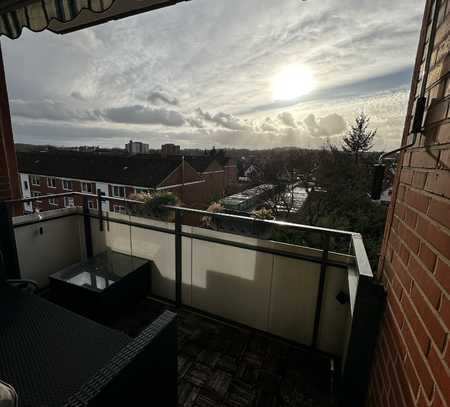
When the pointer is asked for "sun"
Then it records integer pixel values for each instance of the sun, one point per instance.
(291, 82)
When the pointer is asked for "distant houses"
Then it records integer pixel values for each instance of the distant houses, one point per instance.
(196, 180)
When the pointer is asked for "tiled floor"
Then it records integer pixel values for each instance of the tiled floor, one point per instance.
(221, 365)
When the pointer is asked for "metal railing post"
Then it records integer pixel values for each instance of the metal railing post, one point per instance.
(100, 209)
(178, 260)
(323, 269)
(87, 228)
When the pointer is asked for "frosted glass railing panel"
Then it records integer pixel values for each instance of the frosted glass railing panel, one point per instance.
(159, 248)
(295, 285)
(231, 282)
(334, 316)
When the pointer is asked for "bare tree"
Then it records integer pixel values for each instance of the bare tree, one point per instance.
(359, 139)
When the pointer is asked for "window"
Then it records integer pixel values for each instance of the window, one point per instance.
(52, 202)
(25, 185)
(35, 194)
(68, 202)
(119, 209)
(118, 191)
(51, 182)
(87, 187)
(142, 191)
(92, 205)
(67, 185)
(35, 180)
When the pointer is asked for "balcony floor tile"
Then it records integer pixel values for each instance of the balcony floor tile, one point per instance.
(230, 366)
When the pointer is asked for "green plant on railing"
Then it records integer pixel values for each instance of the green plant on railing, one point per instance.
(154, 205)
(263, 214)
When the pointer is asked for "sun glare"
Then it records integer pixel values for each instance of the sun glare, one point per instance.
(292, 82)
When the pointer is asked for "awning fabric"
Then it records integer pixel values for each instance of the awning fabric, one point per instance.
(63, 16)
(38, 15)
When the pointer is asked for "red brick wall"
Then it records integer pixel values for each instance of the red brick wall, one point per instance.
(9, 181)
(197, 195)
(43, 189)
(412, 358)
(231, 174)
(214, 177)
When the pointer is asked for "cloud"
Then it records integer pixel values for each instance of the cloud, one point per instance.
(269, 125)
(222, 119)
(49, 110)
(157, 68)
(78, 95)
(158, 96)
(287, 119)
(139, 114)
(330, 125)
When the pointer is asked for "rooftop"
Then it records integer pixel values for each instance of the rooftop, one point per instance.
(246, 199)
(146, 170)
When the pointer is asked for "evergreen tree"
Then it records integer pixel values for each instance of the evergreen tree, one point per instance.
(359, 139)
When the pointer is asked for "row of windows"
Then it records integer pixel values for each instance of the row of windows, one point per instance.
(51, 182)
(87, 187)
(69, 201)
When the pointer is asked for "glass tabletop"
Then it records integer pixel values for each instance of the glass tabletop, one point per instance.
(101, 271)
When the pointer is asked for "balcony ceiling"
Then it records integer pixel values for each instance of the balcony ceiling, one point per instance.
(63, 16)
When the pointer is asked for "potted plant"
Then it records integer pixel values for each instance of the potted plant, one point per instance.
(239, 226)
(154, 205)
(208, 221)
(263, 230)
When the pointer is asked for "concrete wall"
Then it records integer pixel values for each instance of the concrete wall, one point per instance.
(60, 244)
(412, 360)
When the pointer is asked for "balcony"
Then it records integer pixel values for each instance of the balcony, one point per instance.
(259, 321)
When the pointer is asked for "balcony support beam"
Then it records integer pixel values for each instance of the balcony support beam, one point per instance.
(87, 228)
(100, 209)
(323, 269)
(178, 258)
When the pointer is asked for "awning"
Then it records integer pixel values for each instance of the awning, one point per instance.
(63, 16)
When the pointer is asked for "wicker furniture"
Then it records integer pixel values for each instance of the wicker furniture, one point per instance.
(54, 357)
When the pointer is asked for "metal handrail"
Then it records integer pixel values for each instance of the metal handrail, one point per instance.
(306, 228)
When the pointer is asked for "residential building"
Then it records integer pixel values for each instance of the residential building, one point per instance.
(170, 149)
(136, 147)
(196, 181)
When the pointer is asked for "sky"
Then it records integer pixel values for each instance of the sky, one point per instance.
(225, 73)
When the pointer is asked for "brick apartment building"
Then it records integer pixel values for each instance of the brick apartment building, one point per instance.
(412, 358)
(195, 180)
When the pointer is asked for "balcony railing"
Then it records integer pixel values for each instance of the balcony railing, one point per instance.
(320, 295)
